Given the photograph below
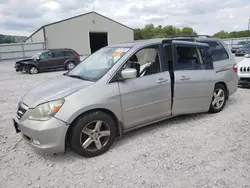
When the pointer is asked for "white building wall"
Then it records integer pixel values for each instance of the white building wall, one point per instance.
(36, 37)
(28, 40)
(74, 33)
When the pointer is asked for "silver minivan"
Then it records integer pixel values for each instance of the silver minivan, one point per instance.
(123, 87)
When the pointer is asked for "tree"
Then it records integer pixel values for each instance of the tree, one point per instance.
(233, 34)
(149, 31)
(188, 31)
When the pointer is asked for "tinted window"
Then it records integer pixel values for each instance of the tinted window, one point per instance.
(246, 46)
(241, 43)
(217, 51)
(69, 53)
(189, 58)
(57, 54)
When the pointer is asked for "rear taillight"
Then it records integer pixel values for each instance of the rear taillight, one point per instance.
(235, 68)
(78, 57)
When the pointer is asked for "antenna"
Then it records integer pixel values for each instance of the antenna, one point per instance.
(93, 15)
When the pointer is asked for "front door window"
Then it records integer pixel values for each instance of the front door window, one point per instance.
(146, 61)
(46, 56)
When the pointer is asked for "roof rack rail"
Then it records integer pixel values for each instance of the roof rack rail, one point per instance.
(208, 36)
(173, 36)
(58, 48)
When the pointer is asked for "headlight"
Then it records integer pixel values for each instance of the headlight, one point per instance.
(45, 111)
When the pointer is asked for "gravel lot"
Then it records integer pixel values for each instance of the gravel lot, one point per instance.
(203, 150)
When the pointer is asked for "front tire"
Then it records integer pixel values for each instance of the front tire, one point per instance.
(219, 99)
(93, 134)
(33, 70)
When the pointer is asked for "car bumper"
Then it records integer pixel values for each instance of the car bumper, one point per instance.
(244, 81)
(17, 67)
(44, 136)
(240, 53)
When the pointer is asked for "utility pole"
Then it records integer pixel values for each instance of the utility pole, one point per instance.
(248, 28)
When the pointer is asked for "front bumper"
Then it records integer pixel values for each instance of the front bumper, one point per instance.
(45, 136)
(17, 67)
(240, 53)
(244, 81)
(21, 67)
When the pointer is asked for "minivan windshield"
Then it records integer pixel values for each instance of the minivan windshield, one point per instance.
(98, 64)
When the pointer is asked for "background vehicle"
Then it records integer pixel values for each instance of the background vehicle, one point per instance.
(238, 45)
(47, 60)
(122, 87)
(244, 71)
(243, 50)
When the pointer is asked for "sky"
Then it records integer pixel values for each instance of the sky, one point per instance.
(23, 17)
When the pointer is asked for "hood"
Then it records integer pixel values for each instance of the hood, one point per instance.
(236, 46)
(25, 60)
(244, 49)
(56, 88)
(244, 63)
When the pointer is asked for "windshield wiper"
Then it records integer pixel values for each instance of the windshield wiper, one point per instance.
(78, 76)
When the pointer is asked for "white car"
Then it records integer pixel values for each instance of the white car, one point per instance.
(244, 71)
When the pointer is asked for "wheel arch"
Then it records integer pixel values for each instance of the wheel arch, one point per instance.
(225, 85)
(119, 124)
(30, 65)
(68, 60)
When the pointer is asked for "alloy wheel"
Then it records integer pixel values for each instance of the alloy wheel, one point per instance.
(33, 70)
(218, 98)
(95, 135)
(70, 66)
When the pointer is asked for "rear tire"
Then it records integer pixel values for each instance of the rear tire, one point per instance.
(219, 99)
(92, 134)
(70, 65)
(33, 70)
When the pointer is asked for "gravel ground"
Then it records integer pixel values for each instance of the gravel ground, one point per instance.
(203, 150)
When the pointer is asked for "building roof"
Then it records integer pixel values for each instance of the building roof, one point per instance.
(92, 12)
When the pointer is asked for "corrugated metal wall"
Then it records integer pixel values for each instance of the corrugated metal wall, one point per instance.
(38, 36)
(74, 33)
(20, 50)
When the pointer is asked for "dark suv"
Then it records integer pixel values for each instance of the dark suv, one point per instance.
(49, 59)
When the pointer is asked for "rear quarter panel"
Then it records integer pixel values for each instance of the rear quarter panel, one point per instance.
(225, 72)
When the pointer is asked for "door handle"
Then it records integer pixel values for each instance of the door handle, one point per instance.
(161, 80)
(185, 78)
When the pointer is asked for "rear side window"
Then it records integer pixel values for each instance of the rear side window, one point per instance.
(57, 54)
(69, 53)
(189, 58)
(217, 51)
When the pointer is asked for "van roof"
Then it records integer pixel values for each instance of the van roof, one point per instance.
(130, 44)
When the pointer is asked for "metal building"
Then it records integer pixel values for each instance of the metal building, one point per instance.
(84, 33)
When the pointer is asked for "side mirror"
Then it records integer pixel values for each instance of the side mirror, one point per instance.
(129, 73)
(38, 58)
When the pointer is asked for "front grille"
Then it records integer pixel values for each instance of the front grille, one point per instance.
(245, 79)
(22, 108)
(244, 69)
